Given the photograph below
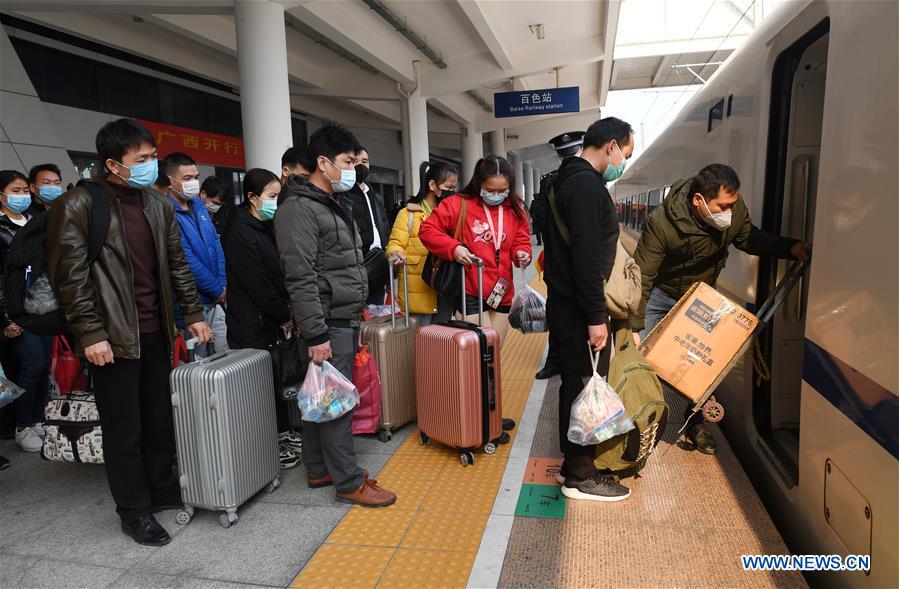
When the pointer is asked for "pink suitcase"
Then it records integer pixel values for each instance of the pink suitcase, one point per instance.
(458, 384)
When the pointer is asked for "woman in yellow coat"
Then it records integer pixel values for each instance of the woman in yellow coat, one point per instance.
(405, 247)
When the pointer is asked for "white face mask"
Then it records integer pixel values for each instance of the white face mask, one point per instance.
(719, 221)
(346, 182)
(190, 189)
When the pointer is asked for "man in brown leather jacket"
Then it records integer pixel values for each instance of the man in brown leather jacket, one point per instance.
(120, 310)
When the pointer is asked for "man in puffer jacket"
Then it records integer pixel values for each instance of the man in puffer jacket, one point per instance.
(322, 264)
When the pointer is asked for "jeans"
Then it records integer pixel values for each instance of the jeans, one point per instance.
(33, 353)
(657, 307)
(135, 405)
(214, 315)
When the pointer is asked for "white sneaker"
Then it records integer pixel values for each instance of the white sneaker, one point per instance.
(38, 428)
(28, 440)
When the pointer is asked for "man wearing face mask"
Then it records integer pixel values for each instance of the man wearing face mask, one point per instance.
(322, 264)
(581, 242)
(371, 218)
(686, 240)
(45, 184)
(201, 244)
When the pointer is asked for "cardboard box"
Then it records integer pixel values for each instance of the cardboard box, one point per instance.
(699, 341)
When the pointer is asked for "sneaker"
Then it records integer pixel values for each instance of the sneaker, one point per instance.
(287, 457)
(369, 494)
(4, 463)
(39, 430)
(601, 487)
(28, 440)
(291, 439)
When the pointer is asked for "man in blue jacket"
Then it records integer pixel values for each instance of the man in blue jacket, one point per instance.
(200, 241)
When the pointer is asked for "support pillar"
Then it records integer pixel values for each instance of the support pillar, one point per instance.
(519, 174)
(528, 184)
(472, 151)
(415, 136)
(264, 90)
(498, 143)
(536, 173)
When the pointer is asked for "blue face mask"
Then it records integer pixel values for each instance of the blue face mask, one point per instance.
(614, 172)
(18, 203)
(268, 209)
(142, 175)
(494, 199)
(49, 192)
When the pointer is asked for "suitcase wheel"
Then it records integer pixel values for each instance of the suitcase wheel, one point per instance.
(385, 435)
(270, 488)
(713, 411)
(489, 447)
(226, 519)
(466, 458)
(182, 518)
(425, 440)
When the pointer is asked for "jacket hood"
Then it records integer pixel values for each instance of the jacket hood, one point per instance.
(679, 211)
(415, 208)
(305, 189)
(571, 166)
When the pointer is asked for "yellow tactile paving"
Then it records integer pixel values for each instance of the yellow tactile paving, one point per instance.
(344, 567)
(430, 538)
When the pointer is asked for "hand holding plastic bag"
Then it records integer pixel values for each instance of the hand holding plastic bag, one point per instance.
(598, 413)
(326, 394)
(9, 391)
(528, 312)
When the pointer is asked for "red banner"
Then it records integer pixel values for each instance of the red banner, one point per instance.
(206, 148)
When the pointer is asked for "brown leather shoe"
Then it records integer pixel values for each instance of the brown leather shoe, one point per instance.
(369, 494)
(327, 481)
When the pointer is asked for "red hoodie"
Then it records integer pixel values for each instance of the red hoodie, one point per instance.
(437, 231)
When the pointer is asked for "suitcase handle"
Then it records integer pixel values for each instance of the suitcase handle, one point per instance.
(393, 296)
(480, 264)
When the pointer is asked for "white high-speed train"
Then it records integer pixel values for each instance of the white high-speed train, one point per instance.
(806, 113)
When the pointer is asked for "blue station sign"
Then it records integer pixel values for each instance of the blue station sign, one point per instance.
(549, 101)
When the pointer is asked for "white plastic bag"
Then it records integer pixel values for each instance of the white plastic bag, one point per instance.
(326, 394)
(598, 413)
(9, 391)
(528, 312)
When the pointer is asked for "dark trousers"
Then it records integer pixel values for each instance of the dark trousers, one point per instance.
(552, 353)
(568, 325)
(377, 293)
(135, 405)
(33, 352)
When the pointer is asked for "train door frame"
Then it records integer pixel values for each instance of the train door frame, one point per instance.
(783, 178)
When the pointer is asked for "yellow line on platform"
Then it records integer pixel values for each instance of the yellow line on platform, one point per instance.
(430, 537)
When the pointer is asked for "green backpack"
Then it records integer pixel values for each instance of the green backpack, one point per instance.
(641, 392)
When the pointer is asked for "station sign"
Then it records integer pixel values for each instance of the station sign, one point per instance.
(205, 148)
(549, 101)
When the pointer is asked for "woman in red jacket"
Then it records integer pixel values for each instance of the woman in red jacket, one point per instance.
(492, 209)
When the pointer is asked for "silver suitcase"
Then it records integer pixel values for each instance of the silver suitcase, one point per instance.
(225, 431)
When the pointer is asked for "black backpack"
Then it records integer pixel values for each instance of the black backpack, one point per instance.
(539, 209)
(30, 301)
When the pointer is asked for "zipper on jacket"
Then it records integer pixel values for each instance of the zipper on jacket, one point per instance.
(131, 268)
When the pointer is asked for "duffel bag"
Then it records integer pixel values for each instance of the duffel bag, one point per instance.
(73, 430)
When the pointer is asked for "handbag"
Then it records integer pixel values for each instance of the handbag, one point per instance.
(375, 262)
(289, 365)
(445, 276)
(66, 371)
(367, 414)
(73, 430)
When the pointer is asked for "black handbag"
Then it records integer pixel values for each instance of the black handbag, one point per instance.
(289, 365)
(446, 276)
(375, 262)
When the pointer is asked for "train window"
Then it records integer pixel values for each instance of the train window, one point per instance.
(640, 212)
(730, 104)
(716, 115)
(655, 199)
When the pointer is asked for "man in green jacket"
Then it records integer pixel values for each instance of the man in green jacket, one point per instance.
(686, 240)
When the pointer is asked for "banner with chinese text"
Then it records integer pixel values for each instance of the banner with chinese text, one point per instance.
(206, 148)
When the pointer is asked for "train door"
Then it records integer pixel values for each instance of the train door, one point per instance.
(794, 147)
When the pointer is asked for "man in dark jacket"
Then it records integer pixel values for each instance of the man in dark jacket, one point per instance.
(686, 240)
(321, 260)
(120, 310)
(581, 241)
(371, 219)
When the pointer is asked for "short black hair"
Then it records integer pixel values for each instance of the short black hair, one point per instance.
(162, 181)
(712, 179)
(175, 160)
(329, 141)
(7, 177)
(605, 130)
(32, 174)
(214, 186)
(116, 137)
(293, 157)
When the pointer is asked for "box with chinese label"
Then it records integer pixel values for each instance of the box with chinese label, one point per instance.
(699, 340)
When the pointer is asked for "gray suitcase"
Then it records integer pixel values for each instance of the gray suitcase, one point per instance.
(225, 431)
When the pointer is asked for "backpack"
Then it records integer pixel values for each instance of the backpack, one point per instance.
(30, 301)
(623, 288)
(641, 392)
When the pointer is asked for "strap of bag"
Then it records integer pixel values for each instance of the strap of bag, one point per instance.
(411, 222)
(99, 219)
(563, 229)
(463, 214)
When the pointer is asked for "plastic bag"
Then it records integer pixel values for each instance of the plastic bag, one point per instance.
(326, 394)
(528, 312)
(598, 413)
(9, 391)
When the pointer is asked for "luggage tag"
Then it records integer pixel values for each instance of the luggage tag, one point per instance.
(498, 292)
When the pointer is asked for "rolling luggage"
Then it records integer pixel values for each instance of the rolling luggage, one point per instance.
(225, 431)
(458, 383)
(393, 347)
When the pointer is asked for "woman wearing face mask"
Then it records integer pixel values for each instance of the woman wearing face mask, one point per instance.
(32, 351)
(405, 245)
(495, 229)
(257, 299)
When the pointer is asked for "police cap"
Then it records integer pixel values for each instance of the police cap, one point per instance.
(568, 143)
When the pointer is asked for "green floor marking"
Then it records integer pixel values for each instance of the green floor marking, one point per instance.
(541, 501)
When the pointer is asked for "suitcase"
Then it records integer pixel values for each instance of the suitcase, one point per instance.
(225, 431)
(458, 383)
(393, 347)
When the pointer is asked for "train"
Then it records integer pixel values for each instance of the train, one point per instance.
(806, 113)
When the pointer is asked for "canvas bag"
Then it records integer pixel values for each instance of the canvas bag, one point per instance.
(367, 414)
(73, 430)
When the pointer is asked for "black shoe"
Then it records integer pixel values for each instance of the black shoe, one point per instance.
(145, 530)
(508, 424)
(504, 438)
(601, 487)
(4, 463)
(547, 372)
(702, 440)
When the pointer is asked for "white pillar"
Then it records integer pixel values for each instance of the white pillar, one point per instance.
(536, 180)
(415, 138)
(498, 143)
(472, 151)
(528, 184)
(264, 90)
(519, 174)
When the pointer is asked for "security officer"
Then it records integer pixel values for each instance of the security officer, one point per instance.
(566, 145)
